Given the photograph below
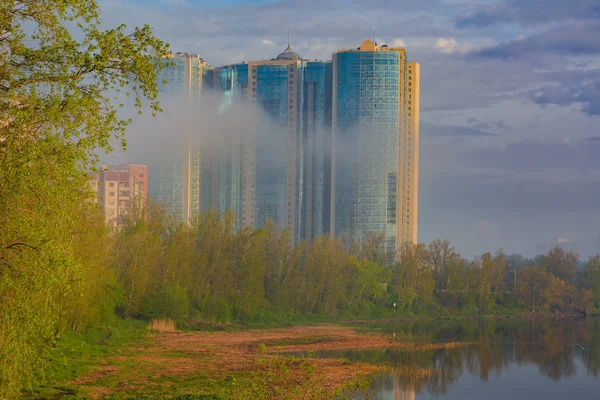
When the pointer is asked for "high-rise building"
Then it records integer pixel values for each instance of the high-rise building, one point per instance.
(177, 185)
(185, 73)
(183, 181)
(316, 149)
(237, 155)
(282, 158)
(375, 141)
(119, 186)
(276, 86)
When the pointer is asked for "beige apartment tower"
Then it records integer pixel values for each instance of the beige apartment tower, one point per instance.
(117, 187)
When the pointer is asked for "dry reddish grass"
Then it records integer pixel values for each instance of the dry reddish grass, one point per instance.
(219, 354)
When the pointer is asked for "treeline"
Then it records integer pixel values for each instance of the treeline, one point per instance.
(208, 271)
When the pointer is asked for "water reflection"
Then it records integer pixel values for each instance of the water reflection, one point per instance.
(556, 349)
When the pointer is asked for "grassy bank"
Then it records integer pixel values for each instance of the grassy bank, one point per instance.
(132, 363)
(76, 353)
(124, 359)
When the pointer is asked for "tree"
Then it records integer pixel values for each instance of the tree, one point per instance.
(373, 248)
(94, 278)
(412, 279)
(441, 257)
(533, 286)
(56, 111)
(248, 272)
(278, 253)
(591, 276)
(135, 261)
(367, 281)
(560, 263)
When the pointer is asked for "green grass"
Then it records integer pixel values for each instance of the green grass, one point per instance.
(74, 354)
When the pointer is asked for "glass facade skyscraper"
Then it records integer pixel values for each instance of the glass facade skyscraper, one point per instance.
(316, 149)
(236, 171)
(291, 150)
(279, 165)
(177, 179)
(277, 89)
(375, 144)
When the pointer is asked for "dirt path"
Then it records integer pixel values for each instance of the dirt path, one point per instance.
(180, 358)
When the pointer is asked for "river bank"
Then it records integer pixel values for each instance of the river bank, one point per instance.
(231, 365)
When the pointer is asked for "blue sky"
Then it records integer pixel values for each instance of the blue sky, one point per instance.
(510, 132)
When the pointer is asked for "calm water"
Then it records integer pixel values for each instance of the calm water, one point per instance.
(510, 359)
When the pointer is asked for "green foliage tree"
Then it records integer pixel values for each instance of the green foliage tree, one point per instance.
(413, 281)
(55, 113)
(95, 292)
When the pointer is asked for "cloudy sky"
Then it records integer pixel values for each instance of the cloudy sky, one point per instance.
(510, 126)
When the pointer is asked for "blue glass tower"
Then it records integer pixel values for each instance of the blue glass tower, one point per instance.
(316, 149)
(375, 165)
(277, 87)
(284, 166)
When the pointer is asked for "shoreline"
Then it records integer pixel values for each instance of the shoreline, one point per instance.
(213, 363)
(526, 315)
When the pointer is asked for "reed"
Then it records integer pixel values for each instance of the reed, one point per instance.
(162, 325)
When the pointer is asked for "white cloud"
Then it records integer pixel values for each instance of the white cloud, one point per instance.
(398, 43)
(268, 42)
(446, 45)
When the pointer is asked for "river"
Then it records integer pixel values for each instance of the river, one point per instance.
(506, 359)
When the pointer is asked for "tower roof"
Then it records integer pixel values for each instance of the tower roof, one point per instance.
(289, 53)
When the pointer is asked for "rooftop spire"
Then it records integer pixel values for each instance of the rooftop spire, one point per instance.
(289, 53)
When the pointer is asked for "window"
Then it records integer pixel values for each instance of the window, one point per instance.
(141, 175)
(111, 193)
(111, 184)
(111, 203)
(111, 212)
